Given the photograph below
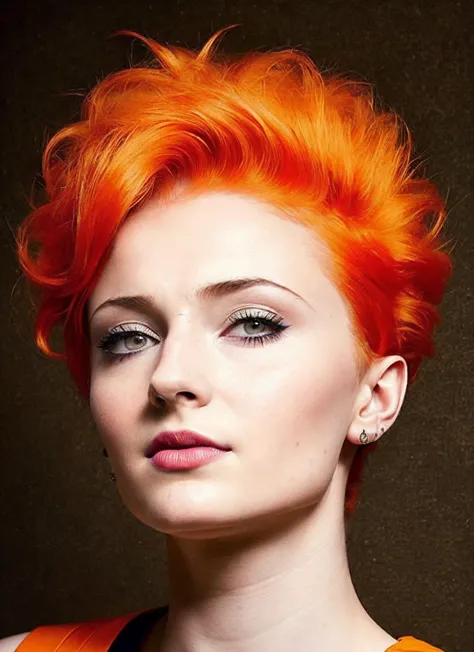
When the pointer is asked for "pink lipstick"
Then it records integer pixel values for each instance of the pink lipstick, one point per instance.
(183, 449)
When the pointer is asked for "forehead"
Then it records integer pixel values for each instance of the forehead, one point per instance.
(187, 242)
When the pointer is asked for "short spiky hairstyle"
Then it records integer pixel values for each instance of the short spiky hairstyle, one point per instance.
(269, 124)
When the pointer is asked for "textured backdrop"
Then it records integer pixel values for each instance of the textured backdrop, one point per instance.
(70, 550)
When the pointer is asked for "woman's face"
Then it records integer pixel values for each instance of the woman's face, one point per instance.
(282, 400)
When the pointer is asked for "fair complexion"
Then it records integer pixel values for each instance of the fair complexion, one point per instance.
(256, 539)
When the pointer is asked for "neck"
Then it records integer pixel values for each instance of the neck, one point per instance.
(284, 585)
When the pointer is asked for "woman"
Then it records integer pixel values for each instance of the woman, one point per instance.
(239, 249)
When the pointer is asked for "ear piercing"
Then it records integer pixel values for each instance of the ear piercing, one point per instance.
(364, 437)
(105, 454)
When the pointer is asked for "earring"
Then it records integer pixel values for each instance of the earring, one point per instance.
(364, 437)
(105, 454)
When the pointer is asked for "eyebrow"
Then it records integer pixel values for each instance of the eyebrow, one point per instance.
(205, 293)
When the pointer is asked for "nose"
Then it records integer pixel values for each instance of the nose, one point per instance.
(181, 373)
(163, 401)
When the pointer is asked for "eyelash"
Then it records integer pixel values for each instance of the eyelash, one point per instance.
(125, 331)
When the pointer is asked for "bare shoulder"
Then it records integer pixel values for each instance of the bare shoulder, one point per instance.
(10, 643)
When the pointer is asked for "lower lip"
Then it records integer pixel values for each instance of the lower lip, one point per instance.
(186, 458)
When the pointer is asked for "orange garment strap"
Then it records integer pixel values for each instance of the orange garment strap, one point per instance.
(410, 644)
(91, 636)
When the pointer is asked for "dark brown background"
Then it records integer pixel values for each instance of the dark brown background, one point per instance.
(70, 550)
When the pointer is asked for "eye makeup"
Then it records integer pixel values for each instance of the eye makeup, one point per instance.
(127, 332)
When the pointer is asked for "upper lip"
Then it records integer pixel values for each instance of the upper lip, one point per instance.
(180, 439)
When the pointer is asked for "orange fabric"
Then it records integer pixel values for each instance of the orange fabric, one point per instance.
(91, 636)
(98, 636)
(410, 644)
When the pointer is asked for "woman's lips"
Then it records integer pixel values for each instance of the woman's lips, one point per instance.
(181, 439)
(186, 458)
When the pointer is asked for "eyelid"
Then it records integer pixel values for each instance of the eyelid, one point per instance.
(269, 318)
(233, 319)
(245, 306)
(128, 327)
(131, 326)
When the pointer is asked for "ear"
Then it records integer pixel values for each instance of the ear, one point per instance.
(379, 400)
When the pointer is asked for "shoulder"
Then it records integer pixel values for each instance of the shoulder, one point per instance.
(410, 644)
(10, 643)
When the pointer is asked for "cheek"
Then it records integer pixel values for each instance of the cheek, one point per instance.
(295, 431)
(305, 403)
(113, 409)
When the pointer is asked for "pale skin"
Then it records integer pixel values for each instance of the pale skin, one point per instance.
(256, 539)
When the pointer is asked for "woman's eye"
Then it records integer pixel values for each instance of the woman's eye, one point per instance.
(252, 325)
(124, 341)
(127, 339)
(134, 342)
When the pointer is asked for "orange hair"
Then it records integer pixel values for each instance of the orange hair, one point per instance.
(269, 124)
